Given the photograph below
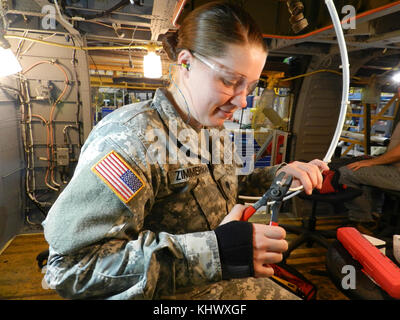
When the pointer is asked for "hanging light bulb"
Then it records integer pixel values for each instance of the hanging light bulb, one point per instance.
(396, 77)
(8, 62)
(152, 65)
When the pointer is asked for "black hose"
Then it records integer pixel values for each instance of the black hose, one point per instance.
(105, 13)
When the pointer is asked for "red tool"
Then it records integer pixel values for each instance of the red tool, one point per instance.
(378, 266)
(275, 193)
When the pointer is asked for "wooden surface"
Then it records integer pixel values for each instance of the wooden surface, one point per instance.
(20, 276)
(21, 279)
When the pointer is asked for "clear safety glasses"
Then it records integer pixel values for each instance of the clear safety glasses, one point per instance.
(233, 81)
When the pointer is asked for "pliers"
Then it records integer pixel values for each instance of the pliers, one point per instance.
(275, 193)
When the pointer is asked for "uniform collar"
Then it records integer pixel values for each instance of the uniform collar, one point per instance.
(168, 111)
(176, 127)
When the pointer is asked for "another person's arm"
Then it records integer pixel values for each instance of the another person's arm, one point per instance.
(389, 157)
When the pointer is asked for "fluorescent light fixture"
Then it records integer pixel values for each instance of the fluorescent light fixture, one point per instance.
(396, 77)
(8, 63)
(152, 65)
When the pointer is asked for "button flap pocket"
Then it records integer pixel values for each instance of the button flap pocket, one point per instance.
(211, 202)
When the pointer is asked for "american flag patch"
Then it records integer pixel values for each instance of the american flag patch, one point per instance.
(119, 176)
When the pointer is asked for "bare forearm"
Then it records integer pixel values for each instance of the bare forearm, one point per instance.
(389, 157)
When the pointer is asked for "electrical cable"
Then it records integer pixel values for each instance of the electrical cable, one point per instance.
(48, 133)
(176, 86)
(315, 72)
(78, 97)
(123, 28)
(28, 178)
(19, 54)
(27, 119)
(20, 43)
(142, 47)
(25, 87)
(51, 153)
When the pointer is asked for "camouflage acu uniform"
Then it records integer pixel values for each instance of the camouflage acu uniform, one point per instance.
(159, 242)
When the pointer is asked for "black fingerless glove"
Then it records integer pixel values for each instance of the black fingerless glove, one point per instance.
(235, 243)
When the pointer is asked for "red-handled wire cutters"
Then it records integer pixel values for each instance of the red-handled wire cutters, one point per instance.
(275, 193)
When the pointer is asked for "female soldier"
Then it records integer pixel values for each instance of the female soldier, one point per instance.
(135, 224)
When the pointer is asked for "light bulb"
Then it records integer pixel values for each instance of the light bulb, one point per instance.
(396, 77)
(8, 63)
(152, 65)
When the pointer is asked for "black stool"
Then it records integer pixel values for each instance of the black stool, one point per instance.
(389, 223)
(308, 233)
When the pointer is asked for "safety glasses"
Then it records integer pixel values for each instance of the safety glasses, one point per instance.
(233, 81)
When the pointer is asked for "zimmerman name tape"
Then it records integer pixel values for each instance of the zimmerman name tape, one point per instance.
(184, 175)
(119, 176)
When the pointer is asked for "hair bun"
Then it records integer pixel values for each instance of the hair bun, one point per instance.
(170, 42)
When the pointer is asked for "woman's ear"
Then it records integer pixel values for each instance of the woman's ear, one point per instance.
(184, 59)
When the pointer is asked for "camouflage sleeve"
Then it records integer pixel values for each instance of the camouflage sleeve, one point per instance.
(99, 247)
(258, 182)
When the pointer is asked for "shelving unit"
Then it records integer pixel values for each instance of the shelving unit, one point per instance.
(368, 124)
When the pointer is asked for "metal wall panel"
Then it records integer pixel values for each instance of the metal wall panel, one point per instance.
(316, 113)
(11, 171)
(14, 204)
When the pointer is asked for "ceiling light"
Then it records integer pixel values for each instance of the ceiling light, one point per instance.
(396, 77)
(152, 65)
(8, 63)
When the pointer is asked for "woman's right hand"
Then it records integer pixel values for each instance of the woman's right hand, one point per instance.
(268, 245)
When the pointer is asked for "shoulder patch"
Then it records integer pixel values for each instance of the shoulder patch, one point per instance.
(119, 176)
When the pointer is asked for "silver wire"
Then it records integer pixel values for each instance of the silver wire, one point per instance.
(179, 90)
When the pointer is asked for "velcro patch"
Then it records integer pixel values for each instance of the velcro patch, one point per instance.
(119, 176)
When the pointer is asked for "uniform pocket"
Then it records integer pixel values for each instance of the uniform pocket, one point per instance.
(211, 201)
(228, 186)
